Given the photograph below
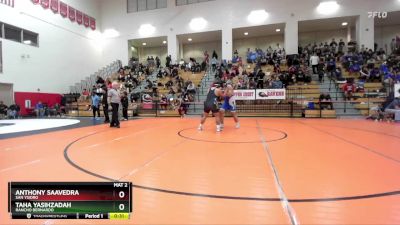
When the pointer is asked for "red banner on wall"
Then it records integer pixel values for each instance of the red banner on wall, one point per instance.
(71, 13)
(63, 9)
(54, 6)
(79, 18)
(45, 3)
(92, 23)
(35, 1)
(8, 3)
(86, 20)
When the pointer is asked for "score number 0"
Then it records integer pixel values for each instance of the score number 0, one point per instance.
(121, 194)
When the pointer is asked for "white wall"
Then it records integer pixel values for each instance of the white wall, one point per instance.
(306, 38)
(259, 42)
(385, 34)
(196, 50)
(221, 15)
(64, 56)
(161, 52)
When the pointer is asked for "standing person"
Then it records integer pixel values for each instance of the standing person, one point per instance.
(229, 105)
(114, 99)
(314, 60)
(168, 61)
(104, 103)
(95, 105)
(211, 105)
(393, 46)
(125, 104)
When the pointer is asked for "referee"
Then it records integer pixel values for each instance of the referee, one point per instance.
(115, 99)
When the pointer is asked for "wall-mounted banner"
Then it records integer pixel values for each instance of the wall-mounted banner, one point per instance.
(45, 3)
(92, 23)
(86, 20)
(71, 13)
(54, 6)
(7, 2)
(270, 94)
(79, 17)
(63, 9)
(245, 94)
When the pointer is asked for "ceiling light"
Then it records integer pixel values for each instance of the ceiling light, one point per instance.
(328, 8)
(278, 30)
(189, 39)
(198, 23)
(110, 33)
(246, 33)
(28, 42)
(344, 24)
(144, 43)
(257, 16)
(164, 42)
(146, 29)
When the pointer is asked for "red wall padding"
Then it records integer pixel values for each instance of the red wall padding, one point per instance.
(45, 98)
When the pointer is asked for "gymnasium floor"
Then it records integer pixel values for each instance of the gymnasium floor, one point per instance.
(270, 171)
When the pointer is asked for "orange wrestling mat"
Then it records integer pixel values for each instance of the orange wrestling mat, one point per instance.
(270, 171)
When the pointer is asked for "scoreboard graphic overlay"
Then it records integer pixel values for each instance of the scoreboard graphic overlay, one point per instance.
(70, 200)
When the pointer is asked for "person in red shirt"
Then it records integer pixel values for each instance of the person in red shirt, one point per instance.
(349, 88)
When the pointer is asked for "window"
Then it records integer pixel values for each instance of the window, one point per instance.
(30, 38)
(18, 34)
(12, 33)
(187, 2)
(144, 5)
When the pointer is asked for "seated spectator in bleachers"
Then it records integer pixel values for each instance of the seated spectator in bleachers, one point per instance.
(13, 111)
(85, 95)
(191, 88)
(364, 73)
(276, 83)
(3, 110)
(325, 101)
(163, 102)
(374, 75)
(349, 88)
(39, 109)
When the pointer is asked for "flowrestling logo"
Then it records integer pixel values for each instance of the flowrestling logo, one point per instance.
(379, 15)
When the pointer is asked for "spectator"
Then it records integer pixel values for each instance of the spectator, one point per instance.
(349, 88)
(95, 106)
(325, 101)
(168, 61)
(100, 81)
(39, 109)
(314, 60)
(191, 88)
(341, 46)
(3, 110)
(393, 45)
(104, 103)
(125, 105)
(115, 100)
(214, 55)
(85, 95)
(158, 62)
